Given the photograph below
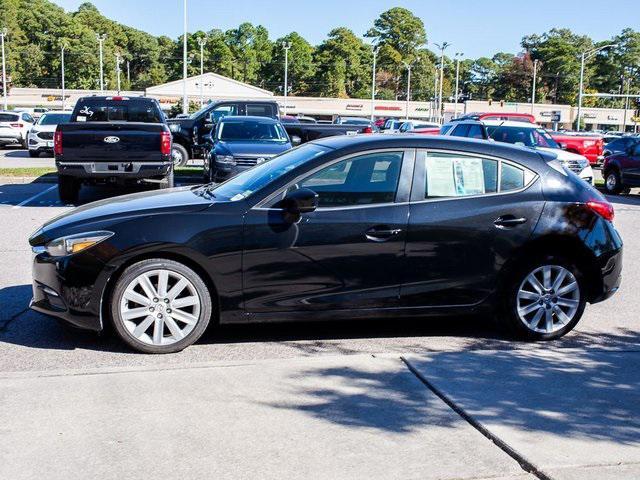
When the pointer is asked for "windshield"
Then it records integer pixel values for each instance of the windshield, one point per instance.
(252, 180)
(528, 137)
(54, 118)
(251, 130)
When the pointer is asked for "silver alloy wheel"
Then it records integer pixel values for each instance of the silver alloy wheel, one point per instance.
(612, 182)
(548, 299)
(176, 156)
(160, 307)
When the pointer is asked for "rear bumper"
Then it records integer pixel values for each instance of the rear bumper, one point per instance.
(611, 269)
(10, 137)
(108, 170)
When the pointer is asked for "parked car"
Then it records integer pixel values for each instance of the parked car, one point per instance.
(40, 137)
(14, 128)
(355, 121)
(343, 227)
(519, 133)
(303, 133)
(425, 128)
(392, 126)
(297, 119)
(113, 140)
(190, 133)
(621, 171)
(590, 146)
(620, 145)
(239, 143)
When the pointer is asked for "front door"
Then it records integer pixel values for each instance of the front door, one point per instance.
(468, 214)
(348, 254)
(631, 165)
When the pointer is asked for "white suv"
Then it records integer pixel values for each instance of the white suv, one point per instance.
(14, 128)
(41, 134)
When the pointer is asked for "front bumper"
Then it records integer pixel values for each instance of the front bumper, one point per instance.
(113, 170)
(64, 292)
(224, 171)
(38, 144)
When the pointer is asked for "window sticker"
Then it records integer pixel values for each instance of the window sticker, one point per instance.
(86, 111)
(469, 176)
(81, 118)
(440, 181)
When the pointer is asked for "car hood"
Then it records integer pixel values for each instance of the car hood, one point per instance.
(96, 214)
(562, 154)
(251, 148)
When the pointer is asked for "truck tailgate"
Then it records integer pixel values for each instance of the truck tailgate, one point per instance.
(112, 141)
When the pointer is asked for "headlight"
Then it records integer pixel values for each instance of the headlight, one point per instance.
(75, 243)
(174, 127)
(227, 159)
(34, 132)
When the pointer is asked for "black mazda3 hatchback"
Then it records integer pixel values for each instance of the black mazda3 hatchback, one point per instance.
(343, 227)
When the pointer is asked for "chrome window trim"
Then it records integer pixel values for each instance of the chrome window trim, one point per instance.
(532, 181)
(408, 161)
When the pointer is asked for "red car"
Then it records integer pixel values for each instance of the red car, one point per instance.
(589, 146)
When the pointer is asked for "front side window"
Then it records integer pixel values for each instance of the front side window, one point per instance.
(475, 131)
(523, 136)
(363, 180)
(460, 131)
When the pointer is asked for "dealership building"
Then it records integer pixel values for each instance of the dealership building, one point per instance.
(211, 87)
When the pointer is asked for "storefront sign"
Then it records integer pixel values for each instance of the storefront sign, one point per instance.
(354, 106)
(389, 108)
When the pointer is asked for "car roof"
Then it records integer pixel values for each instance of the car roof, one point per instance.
(244, 118)
(357, 143)
(510, 123)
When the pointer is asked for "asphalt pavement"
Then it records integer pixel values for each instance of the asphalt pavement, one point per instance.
(437, 398)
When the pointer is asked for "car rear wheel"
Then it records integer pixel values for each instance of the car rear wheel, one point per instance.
(545, 300)
(179, 155)
(613, 183)
(68, 189)
(160, 306)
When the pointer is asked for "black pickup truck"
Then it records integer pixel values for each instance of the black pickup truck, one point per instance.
(192, 134)
(114, 140)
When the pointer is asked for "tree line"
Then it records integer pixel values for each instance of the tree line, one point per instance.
(340, 66)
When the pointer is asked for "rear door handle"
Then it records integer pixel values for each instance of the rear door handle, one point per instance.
(508, 221)
(381, 234)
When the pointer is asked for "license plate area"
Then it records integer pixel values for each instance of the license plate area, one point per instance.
(112, 167)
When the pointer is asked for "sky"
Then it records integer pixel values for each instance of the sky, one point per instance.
(473, 27)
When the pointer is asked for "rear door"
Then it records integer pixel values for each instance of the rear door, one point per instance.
(632, 164)
(468, 214)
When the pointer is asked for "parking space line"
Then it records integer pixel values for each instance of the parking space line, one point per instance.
(37, 195)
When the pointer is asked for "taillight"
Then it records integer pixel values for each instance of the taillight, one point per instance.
(57, 142)
(604, 209)
(367, 130)
(165, 143)
(17, 125)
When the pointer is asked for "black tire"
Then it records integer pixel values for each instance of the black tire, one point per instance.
(68, 189)
(509, 316)
(612, 182)
(34, 153)
(154, 264)
(23, 144)
(207, 174)
(179, 154)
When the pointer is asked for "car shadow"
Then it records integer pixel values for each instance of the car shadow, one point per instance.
(629, 199)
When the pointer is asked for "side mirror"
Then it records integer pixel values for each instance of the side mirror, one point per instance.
(295, 140)
(303, 200)
(563, 146)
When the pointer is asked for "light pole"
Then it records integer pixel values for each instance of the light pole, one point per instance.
(118, 62)
(442, 47)
(185, 99)
(586, 55)
(63, 46)
(3, 34)
(101, 38)
(458, 57)
(533, 88)
(202, 41)
(435, 92)
(286, 46)
(626, 103)
(373, 82)
(128, 74)
(408, 65)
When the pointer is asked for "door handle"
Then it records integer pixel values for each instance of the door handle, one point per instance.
(381, 234)
(509, 221)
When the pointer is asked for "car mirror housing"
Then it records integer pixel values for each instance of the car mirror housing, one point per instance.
(296, 140)
(303, 200)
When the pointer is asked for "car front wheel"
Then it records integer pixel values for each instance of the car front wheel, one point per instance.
(545, 300)
(160, 306)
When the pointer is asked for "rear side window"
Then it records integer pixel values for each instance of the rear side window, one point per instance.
(460, 131)
(445, 129)
(116, 111)
(259, 110)
(447, 175)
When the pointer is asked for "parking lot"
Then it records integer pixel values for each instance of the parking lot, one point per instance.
(566, 409)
